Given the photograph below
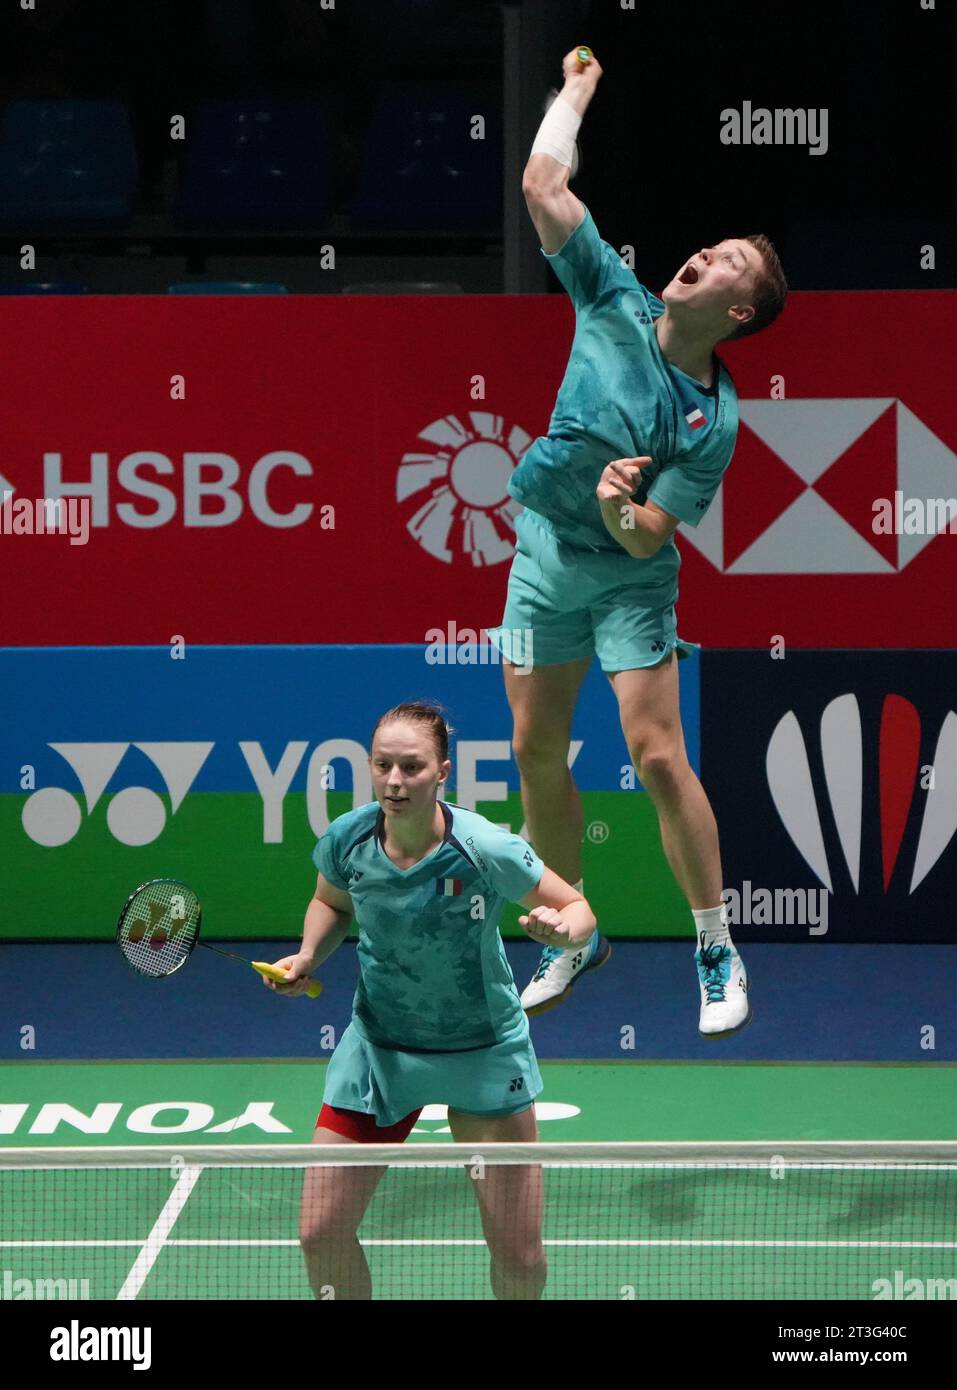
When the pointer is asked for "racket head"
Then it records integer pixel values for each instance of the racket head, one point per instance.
(158, 927)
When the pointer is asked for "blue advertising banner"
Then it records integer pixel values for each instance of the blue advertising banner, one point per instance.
(222, 765)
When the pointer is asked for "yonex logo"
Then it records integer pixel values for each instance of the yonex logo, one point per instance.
(899, 775)
(461, 487)
(701, 504)
(657, 646)
(517, 1084)
(820, 458)
(135, 815)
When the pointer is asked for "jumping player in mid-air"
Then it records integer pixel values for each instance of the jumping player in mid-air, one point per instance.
(643, 429)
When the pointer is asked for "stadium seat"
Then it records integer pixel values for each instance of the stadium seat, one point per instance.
(45, 287)
(67, 165)
(226, 287)
(255, 165)
(422, 171)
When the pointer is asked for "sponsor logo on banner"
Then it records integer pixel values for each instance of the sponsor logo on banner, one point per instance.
(213, 493)
(52, 816)
(900, 776)
(856, 787)
(818, 460)
(458, 481)
(137, 815)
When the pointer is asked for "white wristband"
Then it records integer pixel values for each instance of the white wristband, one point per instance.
(557, 132)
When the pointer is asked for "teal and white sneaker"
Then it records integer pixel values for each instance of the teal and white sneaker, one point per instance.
(725, 1008)
(558, 972)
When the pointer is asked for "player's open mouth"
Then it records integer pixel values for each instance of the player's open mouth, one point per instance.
(689, 276)
(396, 800)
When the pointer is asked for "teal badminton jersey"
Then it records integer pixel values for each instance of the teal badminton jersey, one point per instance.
(433, 972)
(620, 398)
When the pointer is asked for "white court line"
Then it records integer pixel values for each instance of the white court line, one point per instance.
(164, 1240)
(159, 1235)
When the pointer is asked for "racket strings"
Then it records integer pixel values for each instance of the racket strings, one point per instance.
(159, 928)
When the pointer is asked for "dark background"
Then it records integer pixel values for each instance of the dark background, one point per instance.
(654, 171)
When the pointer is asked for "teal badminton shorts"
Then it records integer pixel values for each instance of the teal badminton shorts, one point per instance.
(565, 603)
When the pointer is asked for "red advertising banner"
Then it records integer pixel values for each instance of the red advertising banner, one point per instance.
(334, 469)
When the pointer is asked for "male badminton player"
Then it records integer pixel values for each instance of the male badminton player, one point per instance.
(437, 1016)
(643, 429)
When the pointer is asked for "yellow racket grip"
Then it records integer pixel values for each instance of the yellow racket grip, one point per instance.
(272, 972)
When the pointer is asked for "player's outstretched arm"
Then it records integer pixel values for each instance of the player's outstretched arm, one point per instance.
(553, 208)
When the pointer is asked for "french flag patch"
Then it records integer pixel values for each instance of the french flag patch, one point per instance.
(695, 418)
(448, 887)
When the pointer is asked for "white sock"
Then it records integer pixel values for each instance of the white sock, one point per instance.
(712, 922)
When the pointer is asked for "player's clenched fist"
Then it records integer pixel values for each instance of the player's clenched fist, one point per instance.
(573, 67)
(545, 924)
(621, 478)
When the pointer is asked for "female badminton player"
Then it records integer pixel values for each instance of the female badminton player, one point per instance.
(643, 429)
(436, 1016)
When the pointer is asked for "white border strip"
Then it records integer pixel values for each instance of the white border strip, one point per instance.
(869, 1154)
(689, 1244)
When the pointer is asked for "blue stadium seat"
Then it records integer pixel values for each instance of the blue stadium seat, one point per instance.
(255, 165)
(226, 287)
(67, 165)
(45, 287)
(422, 171)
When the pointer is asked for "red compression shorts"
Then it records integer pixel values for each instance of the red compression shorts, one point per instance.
(352, 1124)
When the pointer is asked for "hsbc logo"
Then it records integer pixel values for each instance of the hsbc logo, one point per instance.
(900, 777)
(798, 497)
(211, 490)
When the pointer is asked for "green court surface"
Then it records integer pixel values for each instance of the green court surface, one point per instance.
(610, 1233)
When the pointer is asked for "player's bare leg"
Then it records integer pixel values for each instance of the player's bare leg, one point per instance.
(333, 1204)
(651, 723)
(511, 1200)
(542, 702)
